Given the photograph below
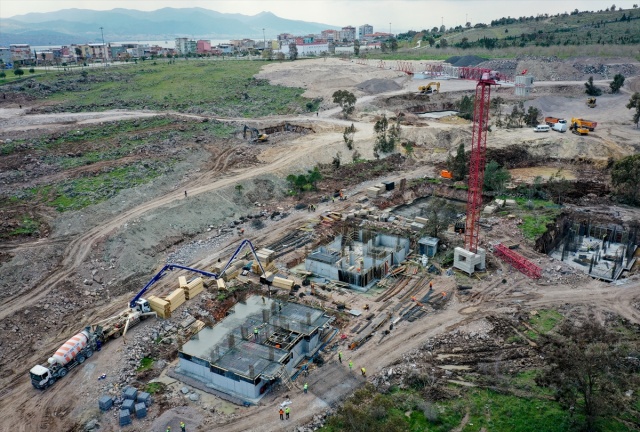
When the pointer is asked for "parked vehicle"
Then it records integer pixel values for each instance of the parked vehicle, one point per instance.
(553, 120)
(560, 127)
(542, 128)
(583, 123)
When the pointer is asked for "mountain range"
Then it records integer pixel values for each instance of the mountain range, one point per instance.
(83, 25)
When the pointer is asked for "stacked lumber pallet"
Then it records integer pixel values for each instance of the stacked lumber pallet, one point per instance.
(193, 288)
(175, 299)
(182, 280)
(159, 306)
(222, 286)
(282, 283)
(265, 256)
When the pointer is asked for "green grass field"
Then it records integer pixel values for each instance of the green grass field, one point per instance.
(224, 88)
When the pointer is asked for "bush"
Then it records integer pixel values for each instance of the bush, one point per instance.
(32, 70)
(18, 72)
(2, 74)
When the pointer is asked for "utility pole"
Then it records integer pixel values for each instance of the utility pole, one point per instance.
(264, 42)
(104, 48)
(389, 28)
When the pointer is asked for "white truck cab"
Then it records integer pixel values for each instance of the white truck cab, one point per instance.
(40, 376)
(142, 305)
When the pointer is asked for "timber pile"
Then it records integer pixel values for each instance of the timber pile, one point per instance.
(282, 283)
(193, 288)
(182, 281)
(159, 306)
(222, 286)
(175, 299)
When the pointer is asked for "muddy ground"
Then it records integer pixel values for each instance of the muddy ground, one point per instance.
(87, 264)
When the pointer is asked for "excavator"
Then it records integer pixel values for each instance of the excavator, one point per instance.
(432, 87)
(254, 134)
(591, 102)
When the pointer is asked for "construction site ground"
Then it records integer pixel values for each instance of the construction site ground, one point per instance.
(89, 263)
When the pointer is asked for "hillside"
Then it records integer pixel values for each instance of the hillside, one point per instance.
(621, 27)
(82, 25)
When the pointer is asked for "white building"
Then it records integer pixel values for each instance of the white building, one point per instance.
(308, 49)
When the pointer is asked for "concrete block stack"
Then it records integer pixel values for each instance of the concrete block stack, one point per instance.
(140, 410)
(128, 405)
(105, 403)
(125, 417)
(129, 393)
(144, 398)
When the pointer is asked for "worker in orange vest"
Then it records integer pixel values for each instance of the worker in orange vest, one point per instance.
(281, 414)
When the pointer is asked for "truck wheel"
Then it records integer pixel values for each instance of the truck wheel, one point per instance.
(62, 372)
(88, 352)
(51, 382)
(116, 335)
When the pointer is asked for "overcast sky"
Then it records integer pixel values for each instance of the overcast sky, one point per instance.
(402, 14)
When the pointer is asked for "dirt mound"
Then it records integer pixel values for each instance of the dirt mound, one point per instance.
(464, 61)
(378, 85)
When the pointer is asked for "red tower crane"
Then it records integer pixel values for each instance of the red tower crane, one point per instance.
(478, 157)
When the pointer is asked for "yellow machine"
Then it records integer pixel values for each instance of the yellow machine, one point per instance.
(591, 102)
(432, 87)
(254, 134)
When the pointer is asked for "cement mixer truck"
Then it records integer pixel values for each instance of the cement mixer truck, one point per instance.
(71, 354)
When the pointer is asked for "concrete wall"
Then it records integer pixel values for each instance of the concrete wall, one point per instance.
(221, 382)
(326, 270)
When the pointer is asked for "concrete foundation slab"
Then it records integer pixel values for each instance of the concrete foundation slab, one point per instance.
(468, 261)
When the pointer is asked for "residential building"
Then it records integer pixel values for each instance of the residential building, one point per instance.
(182, 46)
(347, 34)
(203, 46)
(330, 35)
(5, 56)
(364, 30)
(20, 53)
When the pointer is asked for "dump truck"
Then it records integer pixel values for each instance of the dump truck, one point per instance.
(71, 354)
(554, 120)
(432, 87)
(583, 123)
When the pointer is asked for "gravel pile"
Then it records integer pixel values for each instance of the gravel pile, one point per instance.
(464, 61)
(378, 85)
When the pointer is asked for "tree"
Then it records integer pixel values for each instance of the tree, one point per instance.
(239, 189)
(394, 45)
(3, 75)
(387, 136)
(591, 89)
(32, 70)
(293, 51)
(348, 135)
(625, 177)
(18, 72)
(531, 118)
(634, 103)
(495, 177)
(587, 367)
(431, 41)
(346, 100)
(465, 107)
(617, 83)
(383, 47)
(558, 186)
(444, 43)
(356, 47)
(458, 164)
(439, 216)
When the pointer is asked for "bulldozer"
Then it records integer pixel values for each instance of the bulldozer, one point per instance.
(591, 102)
(254, 134)
(432, 87)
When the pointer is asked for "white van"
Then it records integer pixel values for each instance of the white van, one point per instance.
(542, 128)
(560, 127)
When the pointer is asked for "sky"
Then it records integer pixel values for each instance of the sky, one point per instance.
(399, 15)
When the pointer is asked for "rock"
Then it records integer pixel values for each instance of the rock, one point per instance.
(184, 390)
(91, 425)
(87, 282)
(194, 397)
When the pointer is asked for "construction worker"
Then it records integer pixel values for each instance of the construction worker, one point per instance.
(431, 285)
(182, 426)
(281, 414)
(255, 333)
(350, 365)
(185, 194)
(340, 356)
(168, 428)
(287, 410)
(364, 372)
(305, 388)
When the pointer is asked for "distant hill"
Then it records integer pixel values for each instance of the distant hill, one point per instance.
(83, 25)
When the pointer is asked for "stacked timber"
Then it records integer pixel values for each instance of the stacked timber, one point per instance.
(175, 299)
(282, 283)
(265, 255)
(193, 288)
(234, 270)
(182, 280)
(372, 192)
(221, 285)
(161, 307)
